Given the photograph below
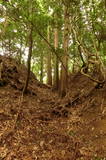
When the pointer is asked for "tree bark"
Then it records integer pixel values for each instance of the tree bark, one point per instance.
(41, 68)
(49, 67)
(20, 51)
(29, 59)
(56, 60)
(64, 67)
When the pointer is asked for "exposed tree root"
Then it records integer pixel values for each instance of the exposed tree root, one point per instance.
(91, 78)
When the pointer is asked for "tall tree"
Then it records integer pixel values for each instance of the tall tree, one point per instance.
(49, 59)
(56, 60)
(64, 65)
(29, 58)
(30, 41)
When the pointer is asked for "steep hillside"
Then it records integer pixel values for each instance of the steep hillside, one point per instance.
(42, 126)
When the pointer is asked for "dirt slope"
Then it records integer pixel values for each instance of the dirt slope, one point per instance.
(42, 126)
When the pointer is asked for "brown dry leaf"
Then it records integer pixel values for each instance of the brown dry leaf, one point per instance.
(3, 152)
(27, 158)
(42, 143)
(1, 110)
(85, 151)
(63, 152)
(10, 156)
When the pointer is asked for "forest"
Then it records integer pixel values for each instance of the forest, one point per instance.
(52, 80)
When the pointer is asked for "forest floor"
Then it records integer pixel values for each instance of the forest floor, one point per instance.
(42, 126)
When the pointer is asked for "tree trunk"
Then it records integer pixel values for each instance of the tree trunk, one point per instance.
(56, 61)
(49, 67)
(64, 66)
(20, 51)
(41, 68)
(29, 59)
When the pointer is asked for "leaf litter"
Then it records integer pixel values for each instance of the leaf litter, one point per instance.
(42, 126)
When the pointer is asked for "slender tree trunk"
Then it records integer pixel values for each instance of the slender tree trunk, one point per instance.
(41, 69)
(20, 51)
(29, 59)
(56, 61)
(49, 65)
(9, 45)
(64, 67)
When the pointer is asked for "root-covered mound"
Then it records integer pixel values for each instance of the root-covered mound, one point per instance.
(81, 92)
(42, 126)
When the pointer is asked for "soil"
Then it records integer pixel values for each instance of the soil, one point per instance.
(42, 126)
